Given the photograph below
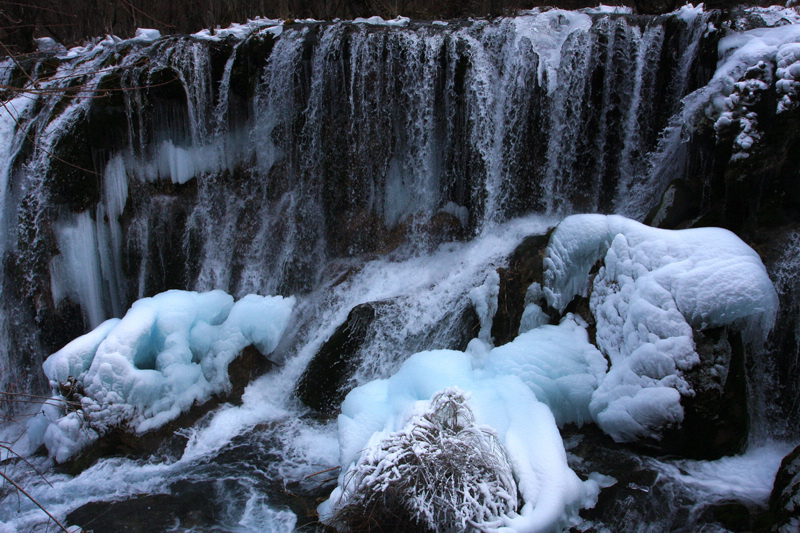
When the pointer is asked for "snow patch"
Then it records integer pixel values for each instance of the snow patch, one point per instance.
(520, 390)
(379, 21)
(603, 9)
(146, 35)
(242, 31)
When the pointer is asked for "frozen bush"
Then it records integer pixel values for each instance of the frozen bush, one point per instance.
(442, 472)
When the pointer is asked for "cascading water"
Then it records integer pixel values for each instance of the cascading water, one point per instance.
(345, 163)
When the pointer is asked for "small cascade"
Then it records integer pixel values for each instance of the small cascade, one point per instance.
(775, 388)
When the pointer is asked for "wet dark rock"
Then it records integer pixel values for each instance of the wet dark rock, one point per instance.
(443, 227)
(750, 189)
(187, 506)
(361, 232)
(784, 502)
(716, 420)
(642, 493)
(322, 385)
(72, 178)
(780, 250)
(635, 498)
(679, 203)
(173, 258)
(524, 267)
(734, 516)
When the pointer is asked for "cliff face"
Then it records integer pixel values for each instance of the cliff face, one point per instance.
(249, 159)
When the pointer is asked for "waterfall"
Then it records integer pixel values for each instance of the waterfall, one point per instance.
(342, 139)
(394, 164)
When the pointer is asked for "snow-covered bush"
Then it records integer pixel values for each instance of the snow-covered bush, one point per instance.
(376, 416)
(442, 472)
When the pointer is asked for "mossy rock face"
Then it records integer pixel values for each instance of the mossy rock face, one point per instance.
(784, 502)
(525, 266)
(322, 385)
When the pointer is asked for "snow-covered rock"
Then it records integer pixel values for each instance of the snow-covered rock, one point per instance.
(654, 289)
(142, 371)
(519, 390)
(785, 498)
(146, 35)
(442, 472)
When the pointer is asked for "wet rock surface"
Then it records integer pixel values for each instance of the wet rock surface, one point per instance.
(322, 385)
(716, 420)
(524, 267)
(642, 494)
(784, 503)
(191, 504)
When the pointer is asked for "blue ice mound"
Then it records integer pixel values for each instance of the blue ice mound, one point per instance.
(165, 354)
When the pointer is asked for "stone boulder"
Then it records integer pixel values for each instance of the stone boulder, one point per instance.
(524, 268)
(716, 420)
(247, 366)
(322, 385)
(784, 502)
(679, 203)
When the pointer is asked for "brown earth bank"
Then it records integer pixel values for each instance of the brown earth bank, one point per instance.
(70, 22)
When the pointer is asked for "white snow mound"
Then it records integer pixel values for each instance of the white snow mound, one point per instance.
(653, 288)
(165, 354)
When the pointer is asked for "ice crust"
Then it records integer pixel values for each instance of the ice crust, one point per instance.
(745, 70)
(165, 354)
(548, 31)
(521, 390)
(654, 287)
(378, 21)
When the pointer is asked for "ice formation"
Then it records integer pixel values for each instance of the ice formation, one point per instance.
(519, 390)
(165, 354)
(745, 71)
(558, 363)
(378, 21)
(653, 288)
(146, 35)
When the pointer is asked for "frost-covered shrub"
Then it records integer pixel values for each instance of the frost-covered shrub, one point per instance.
(442, 472)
